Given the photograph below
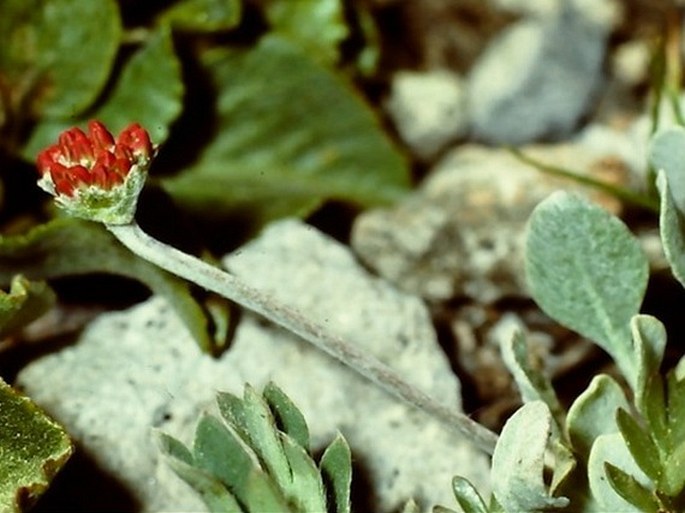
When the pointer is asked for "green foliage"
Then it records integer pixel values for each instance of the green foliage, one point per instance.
(319, 27)
(68, 247)
(610, 452)
(37, 53)
(32, 447)
(283, 132)
(258, 459)
(586, 271)
(290, 135)
(25, 302)
(32, 450)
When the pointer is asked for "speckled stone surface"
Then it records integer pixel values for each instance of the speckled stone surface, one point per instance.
(134, 372)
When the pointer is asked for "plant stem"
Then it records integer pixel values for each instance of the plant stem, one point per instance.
(223, 283)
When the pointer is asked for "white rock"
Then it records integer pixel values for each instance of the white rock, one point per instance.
(463, 232)
(537, 78)
(428, 109)
(134, 371)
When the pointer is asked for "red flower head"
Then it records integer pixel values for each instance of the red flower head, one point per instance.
(95, 176)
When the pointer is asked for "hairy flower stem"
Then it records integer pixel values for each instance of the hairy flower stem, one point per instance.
(229, 286)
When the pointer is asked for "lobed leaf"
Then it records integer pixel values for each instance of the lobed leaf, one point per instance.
(32, 450)
(289, 135)
(587, 271)
(68, 247)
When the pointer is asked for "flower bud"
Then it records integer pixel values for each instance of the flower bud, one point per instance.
(94, 176)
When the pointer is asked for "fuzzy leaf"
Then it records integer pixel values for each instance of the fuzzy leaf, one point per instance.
(593, 413)
(264, 496)
(676, 407)
(631, 490)
(202, 15)
(211, 491)
(148, 91)
(220, 453)
(673, 479)
(649, 336)
(587, 271)
(531, 382)
(336, 468)
(25, 302)
(467, 496)
(67, 247)
(518, 461)
(253, 420)
(39, 43)
(672, 228)
(319, 27)
(290, 134)
(32, 450)
(667, 154)
(611, 448)
(306, 491)
(289, 418)
(640, 444)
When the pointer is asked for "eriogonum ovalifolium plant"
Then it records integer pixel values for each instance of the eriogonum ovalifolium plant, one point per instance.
(95, 176)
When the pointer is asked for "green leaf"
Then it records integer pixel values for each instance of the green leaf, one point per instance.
(211, 491)
(202, 15)
(306, 492)
(676, 408)
(640, 444)
(288, 417)
(32, 450)
(253, 420)
(59, 52)
(264, 496)
(673, 479)
(148, 91)
(319, 27)
(67, 246)
(649, 336)
(532, 383)
(672, 228)
(25, 302)
(518, 461)
(631, 490)
(220, 453)
(593, 413)
(587, 271)
(174, 449)
(667, 154)
(290, 134)
(336, 468)
(611, 448)
(467, 496)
